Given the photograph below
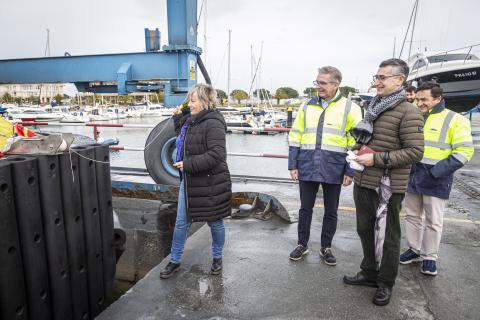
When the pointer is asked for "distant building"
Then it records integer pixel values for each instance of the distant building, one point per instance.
(46, 92)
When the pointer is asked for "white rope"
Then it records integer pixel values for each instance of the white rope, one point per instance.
(153, 140)
(98, 161)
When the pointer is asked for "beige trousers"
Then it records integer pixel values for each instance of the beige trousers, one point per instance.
(424, 222)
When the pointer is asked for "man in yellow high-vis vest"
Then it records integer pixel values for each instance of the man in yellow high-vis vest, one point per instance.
(318, 142)
(448, 146)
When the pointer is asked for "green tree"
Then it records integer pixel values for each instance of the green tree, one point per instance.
(310, 92)
(7, 97)
(290, 92)
(264, 94)
(58, 98)
(280, 94)
(35, 99)
(125, 99)
(239, 95)
(222, 96)
(18, 100)
(345, 90)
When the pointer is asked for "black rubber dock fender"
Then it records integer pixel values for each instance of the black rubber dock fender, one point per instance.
(32, 236)
(55, 241)
(72, 210)
(13, 301)
(104, 187)
(91, 220)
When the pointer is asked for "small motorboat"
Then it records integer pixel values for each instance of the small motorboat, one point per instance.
(108, 141)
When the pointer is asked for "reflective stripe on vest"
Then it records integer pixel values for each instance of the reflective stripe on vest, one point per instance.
(460, 157)
(334, 137)
(437, 150)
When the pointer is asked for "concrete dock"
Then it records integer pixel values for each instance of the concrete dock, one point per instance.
(260, 282)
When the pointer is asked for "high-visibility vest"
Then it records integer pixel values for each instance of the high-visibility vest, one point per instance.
(6, 131)
(447, 133)
(341, 115)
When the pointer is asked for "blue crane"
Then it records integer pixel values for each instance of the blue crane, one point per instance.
(173, 69)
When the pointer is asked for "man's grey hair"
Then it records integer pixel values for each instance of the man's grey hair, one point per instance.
(399, 66)
(205, 93)
(335, 74)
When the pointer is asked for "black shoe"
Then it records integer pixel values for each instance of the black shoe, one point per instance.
(327, 256)
(359, 280)
(169, 270)
(382, 296)
(216, 266)
(298, 252)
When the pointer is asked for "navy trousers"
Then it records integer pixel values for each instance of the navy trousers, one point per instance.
(308, 193)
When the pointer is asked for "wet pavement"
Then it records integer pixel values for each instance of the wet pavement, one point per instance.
(260, 282)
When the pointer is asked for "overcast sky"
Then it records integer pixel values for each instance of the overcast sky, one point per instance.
(298, 36)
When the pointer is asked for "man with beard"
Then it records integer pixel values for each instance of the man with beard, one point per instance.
(410, 94)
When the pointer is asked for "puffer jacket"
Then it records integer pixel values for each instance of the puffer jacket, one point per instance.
(208, 188)
(398, 142)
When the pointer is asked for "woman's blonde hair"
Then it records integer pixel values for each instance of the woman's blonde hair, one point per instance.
(205, 93)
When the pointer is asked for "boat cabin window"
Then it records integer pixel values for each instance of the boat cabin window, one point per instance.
(451, 57)
(419, 64)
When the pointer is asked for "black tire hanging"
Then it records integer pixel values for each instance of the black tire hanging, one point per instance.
(158, 154)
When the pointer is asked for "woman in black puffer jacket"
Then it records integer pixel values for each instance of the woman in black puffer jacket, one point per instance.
(205, 185)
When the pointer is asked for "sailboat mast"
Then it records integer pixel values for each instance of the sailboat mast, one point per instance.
(205, 34)
(394, 43)
(252, 66)
(259, 81)
(413, 29)
(228, 77)
(408, 28)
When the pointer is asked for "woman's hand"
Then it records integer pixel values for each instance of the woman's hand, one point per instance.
(177, 110)
(178, 165)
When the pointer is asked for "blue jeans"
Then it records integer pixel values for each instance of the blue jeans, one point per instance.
(180, 233)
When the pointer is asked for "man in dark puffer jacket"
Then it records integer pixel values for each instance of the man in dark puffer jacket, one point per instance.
(205, 185)
(393, 128)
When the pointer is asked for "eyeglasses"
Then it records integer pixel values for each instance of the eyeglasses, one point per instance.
(382, 78)
(322, 83)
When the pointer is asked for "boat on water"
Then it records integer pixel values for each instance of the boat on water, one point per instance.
(156, 110)
(240, 121)
(34, 114)
(134, 111)
(95, 115)
(75, 117)
(108, 141)
(228, 110)
(457, 72)
(115, 112)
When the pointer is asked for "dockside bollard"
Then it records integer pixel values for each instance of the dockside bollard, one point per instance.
(54, 228)
(289, 117)
(13, 301)
(32, 237)
(91, 220)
